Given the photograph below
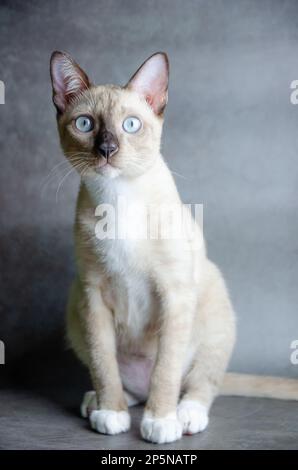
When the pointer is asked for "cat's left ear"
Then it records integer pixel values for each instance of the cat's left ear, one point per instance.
(68, 79)
(151, 81)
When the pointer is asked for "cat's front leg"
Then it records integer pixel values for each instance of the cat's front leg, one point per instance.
(111, 415)
(160, 422)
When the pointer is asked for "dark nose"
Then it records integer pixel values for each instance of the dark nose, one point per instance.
(107, 144)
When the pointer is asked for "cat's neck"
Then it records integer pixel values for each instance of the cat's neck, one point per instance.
(154, 186)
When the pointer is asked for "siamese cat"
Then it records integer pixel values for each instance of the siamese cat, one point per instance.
(149, 316)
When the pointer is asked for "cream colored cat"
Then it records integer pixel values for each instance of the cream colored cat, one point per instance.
(150, 317)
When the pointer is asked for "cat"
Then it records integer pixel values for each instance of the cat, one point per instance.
(151, 318)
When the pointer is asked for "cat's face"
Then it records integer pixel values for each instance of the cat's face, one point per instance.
(110, 130)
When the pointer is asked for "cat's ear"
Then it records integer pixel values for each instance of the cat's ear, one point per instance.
(151, 81)
(68, 79)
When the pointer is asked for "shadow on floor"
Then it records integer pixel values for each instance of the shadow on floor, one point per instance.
(51, 371)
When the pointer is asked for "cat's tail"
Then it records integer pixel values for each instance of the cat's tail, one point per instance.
(246, 385)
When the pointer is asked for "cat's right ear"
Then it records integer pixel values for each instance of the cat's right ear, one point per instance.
(68, 79)
(151, 81)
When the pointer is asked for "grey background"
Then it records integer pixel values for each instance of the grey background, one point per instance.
(230, 132)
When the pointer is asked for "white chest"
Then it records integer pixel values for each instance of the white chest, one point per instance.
(130, 287)
(121, 249)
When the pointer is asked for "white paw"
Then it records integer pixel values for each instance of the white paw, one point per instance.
(161, 430)
(109, 421)
(193, 416)
(88, 404)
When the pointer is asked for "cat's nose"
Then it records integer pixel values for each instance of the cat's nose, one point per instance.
(107, 145)
(106, 149)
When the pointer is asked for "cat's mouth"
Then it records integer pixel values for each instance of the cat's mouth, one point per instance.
(106, 168)
(102, 165)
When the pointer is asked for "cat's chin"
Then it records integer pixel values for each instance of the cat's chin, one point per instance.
(108, 171)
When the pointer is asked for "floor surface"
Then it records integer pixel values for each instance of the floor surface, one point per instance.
(32, 421)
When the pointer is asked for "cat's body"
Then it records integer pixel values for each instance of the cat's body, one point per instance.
(129, 283)
(130, 288)
(150, 317)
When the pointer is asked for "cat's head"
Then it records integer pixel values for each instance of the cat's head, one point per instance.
(110, 130)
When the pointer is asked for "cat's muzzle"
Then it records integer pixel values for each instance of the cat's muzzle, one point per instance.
(106, 144)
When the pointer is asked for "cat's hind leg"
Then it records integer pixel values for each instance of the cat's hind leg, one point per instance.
(215, 327)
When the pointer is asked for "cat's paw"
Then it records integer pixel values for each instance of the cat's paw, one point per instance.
(88, 404)
(109, 421)
(193, 416)
(161, 430)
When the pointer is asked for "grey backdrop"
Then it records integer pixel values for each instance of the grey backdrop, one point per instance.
(232, 63)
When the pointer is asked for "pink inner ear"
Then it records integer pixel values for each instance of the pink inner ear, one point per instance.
(151, 81)
(149, 100)
(59, 86)
(68, 79)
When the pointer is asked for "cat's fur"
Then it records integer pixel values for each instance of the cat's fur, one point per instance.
(151, 319)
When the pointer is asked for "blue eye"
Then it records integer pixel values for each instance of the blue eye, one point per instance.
(131, 124)
(84, 123)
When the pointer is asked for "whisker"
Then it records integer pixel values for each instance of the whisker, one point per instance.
(178, 174)
(64, 178)
(87, 166)
(55, 168)
(54, 173)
